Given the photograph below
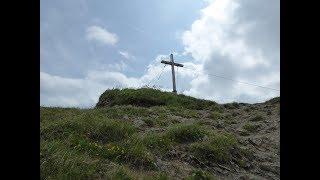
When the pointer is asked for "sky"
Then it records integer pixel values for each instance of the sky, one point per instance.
(89, 46)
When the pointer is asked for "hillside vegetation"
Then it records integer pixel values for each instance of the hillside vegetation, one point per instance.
(147, 97)
(150, 134)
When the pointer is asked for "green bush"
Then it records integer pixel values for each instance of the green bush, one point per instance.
(251, 127)
(147, 97)
(256, 118)
(185, 133)
(216, 149)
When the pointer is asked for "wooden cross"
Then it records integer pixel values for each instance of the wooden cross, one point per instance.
(172, 63)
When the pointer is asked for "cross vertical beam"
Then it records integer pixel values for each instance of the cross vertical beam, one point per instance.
(172, 63)
(173, 75)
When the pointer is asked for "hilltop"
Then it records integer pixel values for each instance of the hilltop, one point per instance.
(150, 134)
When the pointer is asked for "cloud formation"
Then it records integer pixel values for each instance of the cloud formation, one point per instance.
(238, 39)
(99, 34)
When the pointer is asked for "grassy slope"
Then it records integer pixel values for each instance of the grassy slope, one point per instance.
(119, 141)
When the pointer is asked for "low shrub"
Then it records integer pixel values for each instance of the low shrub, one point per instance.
(256, 118)
(216, 149)
(185, 133)
(251, 127)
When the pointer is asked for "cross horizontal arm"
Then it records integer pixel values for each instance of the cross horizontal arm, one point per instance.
(170, 63)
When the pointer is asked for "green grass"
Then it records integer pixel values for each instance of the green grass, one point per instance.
(249, 127)
(95, 135)
(111, 131)
(216, 149)
(157, 142)
(57, 161)
(138, 155)
(95, 127)
(81, 144)
(147, 97)
(131, 151)
(175, 134)
(185, 133)
(106, 142)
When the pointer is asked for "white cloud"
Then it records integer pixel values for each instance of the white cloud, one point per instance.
(126, 55)
(231, 39)
(99, 34)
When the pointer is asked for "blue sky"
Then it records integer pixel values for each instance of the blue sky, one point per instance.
(145, 29)
(88, 46)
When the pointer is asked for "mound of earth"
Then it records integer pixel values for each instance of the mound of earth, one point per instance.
(147, 97)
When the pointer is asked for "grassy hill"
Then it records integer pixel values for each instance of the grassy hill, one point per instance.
(150, 134)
